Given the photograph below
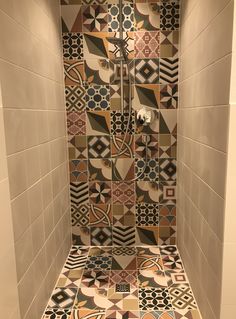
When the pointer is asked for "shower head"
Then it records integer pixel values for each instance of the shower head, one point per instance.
(120, 43)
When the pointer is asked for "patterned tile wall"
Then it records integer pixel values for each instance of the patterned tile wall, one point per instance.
(107, 207)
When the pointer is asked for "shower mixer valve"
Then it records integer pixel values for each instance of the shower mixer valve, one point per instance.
(144, 116)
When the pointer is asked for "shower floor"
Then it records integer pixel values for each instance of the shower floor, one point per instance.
(122, 282)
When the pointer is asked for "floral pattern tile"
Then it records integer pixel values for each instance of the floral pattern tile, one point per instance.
(147, 44)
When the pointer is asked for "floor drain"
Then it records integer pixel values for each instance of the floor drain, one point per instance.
(123, 287)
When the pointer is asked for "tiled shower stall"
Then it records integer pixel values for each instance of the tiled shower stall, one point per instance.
(118, 205)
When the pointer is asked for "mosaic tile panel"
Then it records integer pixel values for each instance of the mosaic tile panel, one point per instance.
(116, 198)
(89, 289)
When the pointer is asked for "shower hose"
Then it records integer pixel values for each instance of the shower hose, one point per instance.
(126, 131)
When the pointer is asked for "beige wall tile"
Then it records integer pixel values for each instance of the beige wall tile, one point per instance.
(203, 120)
(34, 114)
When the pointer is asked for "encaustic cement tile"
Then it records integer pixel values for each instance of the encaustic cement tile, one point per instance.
(87, 314)
(123, 276)
(91, 298)
(157, 315)
(123, 301)
(113, 314)
(154, 299)
(57, 314)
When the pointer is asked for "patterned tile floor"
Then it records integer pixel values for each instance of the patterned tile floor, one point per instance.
(87, 286)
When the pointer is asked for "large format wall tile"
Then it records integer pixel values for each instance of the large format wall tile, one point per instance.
(122, 201)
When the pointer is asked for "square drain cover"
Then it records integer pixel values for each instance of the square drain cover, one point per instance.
(123, 287)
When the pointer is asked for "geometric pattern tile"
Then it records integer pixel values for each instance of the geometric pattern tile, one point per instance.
(147, 44)
(75, 262)
(147, 95)
(168, 121)
(172, 262)
(157, 315)
(99, 146)
(95, 45)
(98, 123)
(167, 145)
(167, 215)
(128, 146)
(187, 314)
(127, 17)
(147, 214)
(98, 98)
(152, 146)
(168, 250)
(182, 297)
(100, 251)
(101, 236)
(57, 314)
(123, 169)
(100, 192)
(74, 72)
(123, 215)
(154, 299)
(95, 18)
(75, 98)
(123, 301)
(79, 193)
(123, 276)
(72, 46)
(80, 214)
(71, 17)
(70, 278)
(100, 215)
(118, 314)
(62, 298)
(169, 41)
(123, 193)
(147, 170)
(168, 70)
(77, 146)
(123, 236)
(167, 235)
(169, 96)
(176, 277)
(147, 235)
(123, 262)
(167, 169)
(169, 16)
(168, 193)
(99, 263)
(95, 279)
(78, 170)
(119, 123)
(147, 71)
(76, 123)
